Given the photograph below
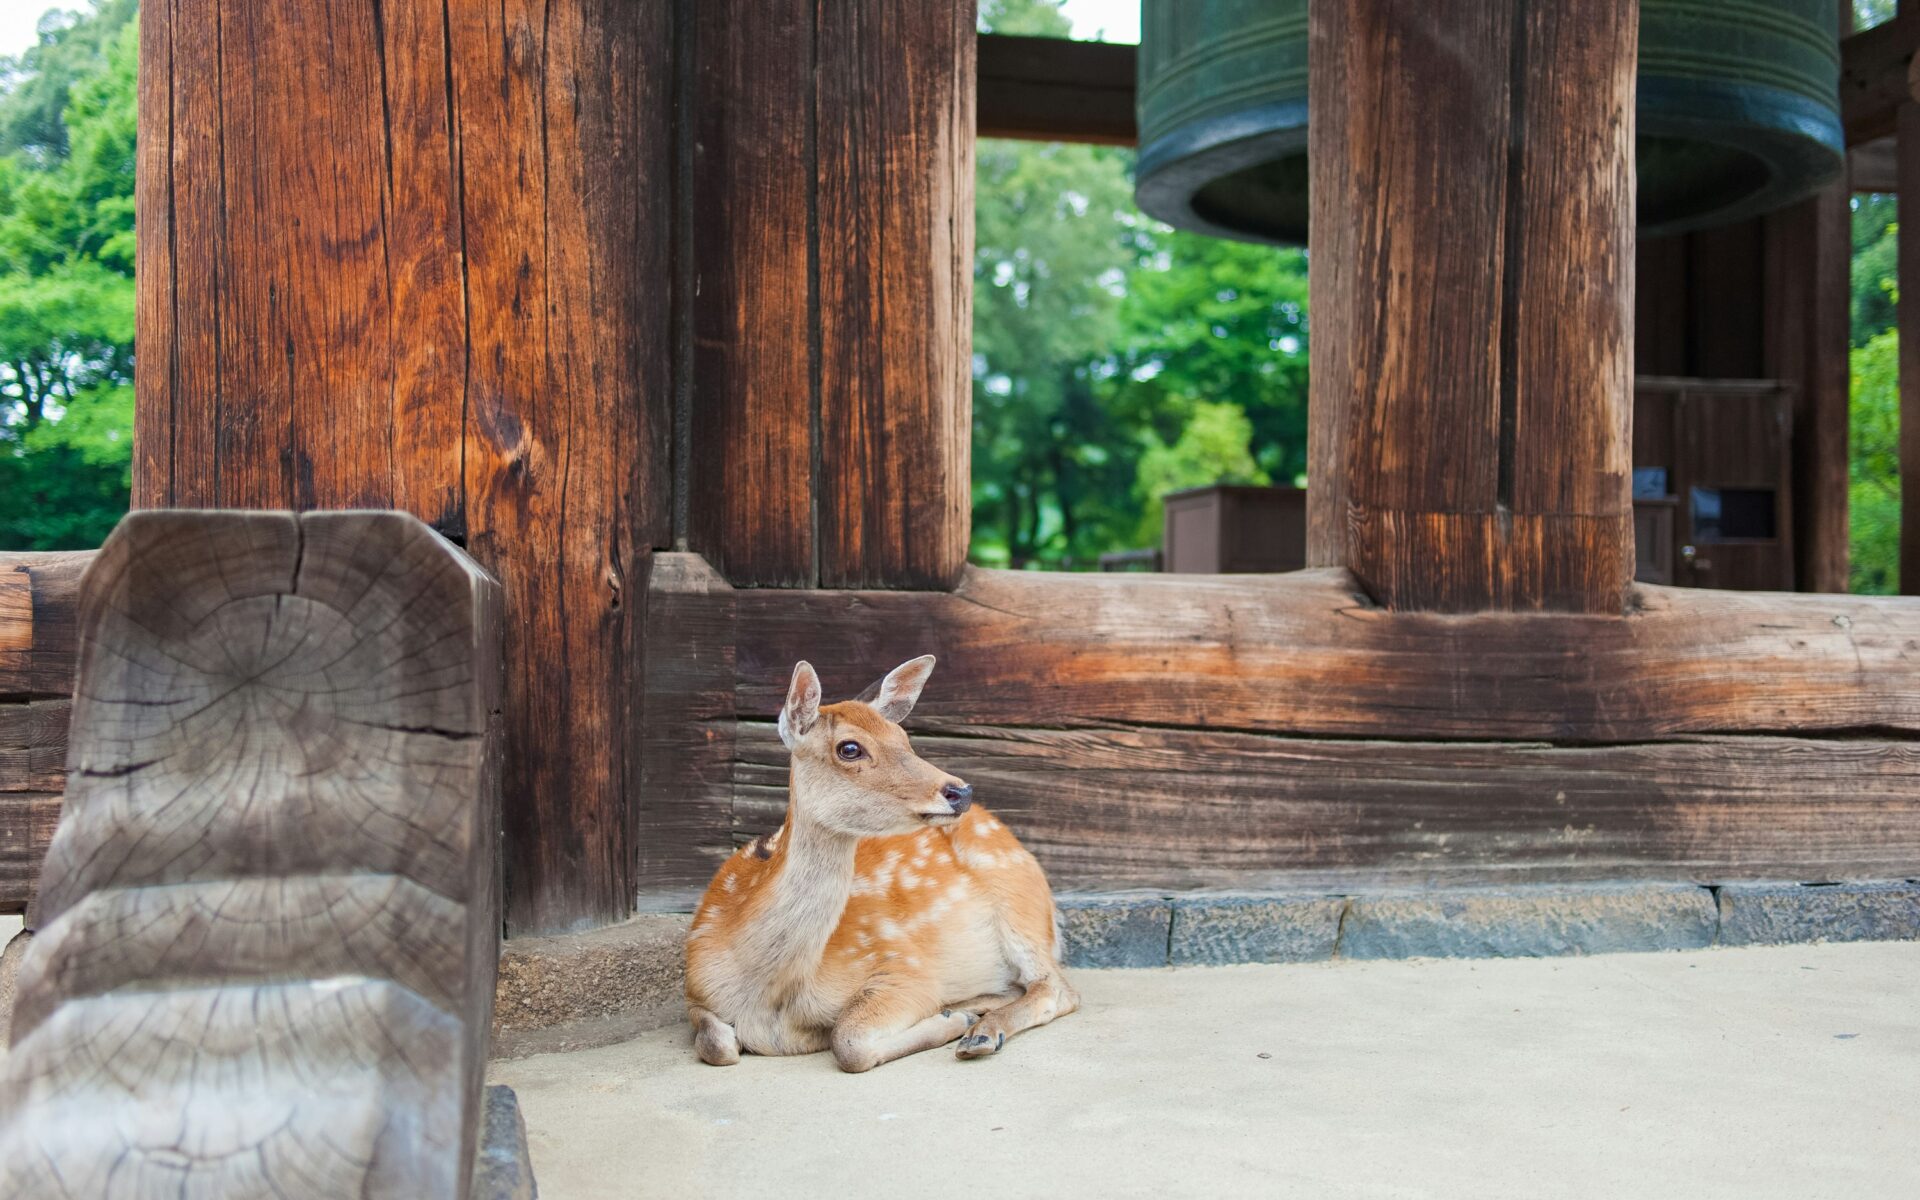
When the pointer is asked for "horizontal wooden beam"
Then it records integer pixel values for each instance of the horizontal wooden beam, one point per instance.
(39, 620)
(1305, 654)
(1110, 809)
(1268, 731)
(1876, 76)
(39, 610)
(1055, 90)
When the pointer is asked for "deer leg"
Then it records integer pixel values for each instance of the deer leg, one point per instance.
(713, 1039)
(1047, 997)
(881, 1026)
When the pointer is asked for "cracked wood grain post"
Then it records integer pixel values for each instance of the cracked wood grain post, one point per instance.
(270, 915)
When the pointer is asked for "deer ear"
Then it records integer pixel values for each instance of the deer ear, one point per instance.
(900, 690)
(802, 708)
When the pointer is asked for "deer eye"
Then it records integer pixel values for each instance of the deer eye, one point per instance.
(849, 751)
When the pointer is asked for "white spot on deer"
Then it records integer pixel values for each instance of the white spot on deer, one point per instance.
(730, 883)
(908, 879)
(889, 931)
(989, 825)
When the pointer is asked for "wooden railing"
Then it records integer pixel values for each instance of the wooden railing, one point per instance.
(38, 616)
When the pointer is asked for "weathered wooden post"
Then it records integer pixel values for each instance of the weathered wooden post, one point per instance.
(1472, 209)
(269, 919)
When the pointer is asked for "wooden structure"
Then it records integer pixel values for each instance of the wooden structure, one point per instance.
(266, 942)
(1713, 483)
(696, 391)
(1225, 530)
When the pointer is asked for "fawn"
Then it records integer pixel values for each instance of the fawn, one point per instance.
(889, 914)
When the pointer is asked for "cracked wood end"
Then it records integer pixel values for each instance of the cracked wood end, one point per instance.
(269, 918)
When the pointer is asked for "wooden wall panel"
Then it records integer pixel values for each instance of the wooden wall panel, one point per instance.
(1115, 808)
(1808, 287)
(425, 269)
(895, 177)
(754, 381)
(1487, 315)
(832, 244)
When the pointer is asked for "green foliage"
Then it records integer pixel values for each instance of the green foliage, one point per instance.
(1115, 359)
(67, 126)
(1873, 494)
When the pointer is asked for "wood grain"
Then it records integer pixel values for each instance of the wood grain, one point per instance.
(686, 749)
(39, 608)
(270, 915)
(1116, 808)
(1475, 399)
(755, 395)
(1808, 295)
(424, 269)
(894, 170)
(1056, 90)
(1304, 654)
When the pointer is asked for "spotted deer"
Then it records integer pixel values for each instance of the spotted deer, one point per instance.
(889, 914)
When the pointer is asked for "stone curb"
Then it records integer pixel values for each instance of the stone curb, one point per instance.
(1774, 914)
(1529, 922)
(594, 989)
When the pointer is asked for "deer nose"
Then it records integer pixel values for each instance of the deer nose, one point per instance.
(959, 796)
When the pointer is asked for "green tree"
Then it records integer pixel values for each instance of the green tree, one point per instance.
(1115, 359)
(1873, 494)
(66, 280)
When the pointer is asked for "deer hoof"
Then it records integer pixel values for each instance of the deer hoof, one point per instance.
(980, 1043)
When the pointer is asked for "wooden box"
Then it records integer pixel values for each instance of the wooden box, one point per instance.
(1225, 530)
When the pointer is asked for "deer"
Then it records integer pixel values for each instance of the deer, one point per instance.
(889, 914)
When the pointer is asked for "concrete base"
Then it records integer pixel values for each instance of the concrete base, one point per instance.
(603, 987)
(1744, 1074)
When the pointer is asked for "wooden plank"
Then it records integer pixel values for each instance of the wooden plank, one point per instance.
(27, 821)
(338, 673)
(1489, 303)
(1112, 808)
(1304, 654)
(1660, 307)
(1056, 90)
(33, 745)
(686, 751)
(755, 393)
(1875, 76)
(39, 610)
(894, 172)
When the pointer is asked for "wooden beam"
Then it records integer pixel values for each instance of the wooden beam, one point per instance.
(1473, 301)
(1808, 299)
(831, 380)
(39, 619)
(1305, 654)
(1272, 731)
(426, 269)
(1117, 808)
(1876, 76)
(271, 910)
(1055, 90)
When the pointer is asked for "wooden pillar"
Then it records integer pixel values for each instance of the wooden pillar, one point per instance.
(1808, 296)
(1473, 207)
(831, 240)
(399, 253)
